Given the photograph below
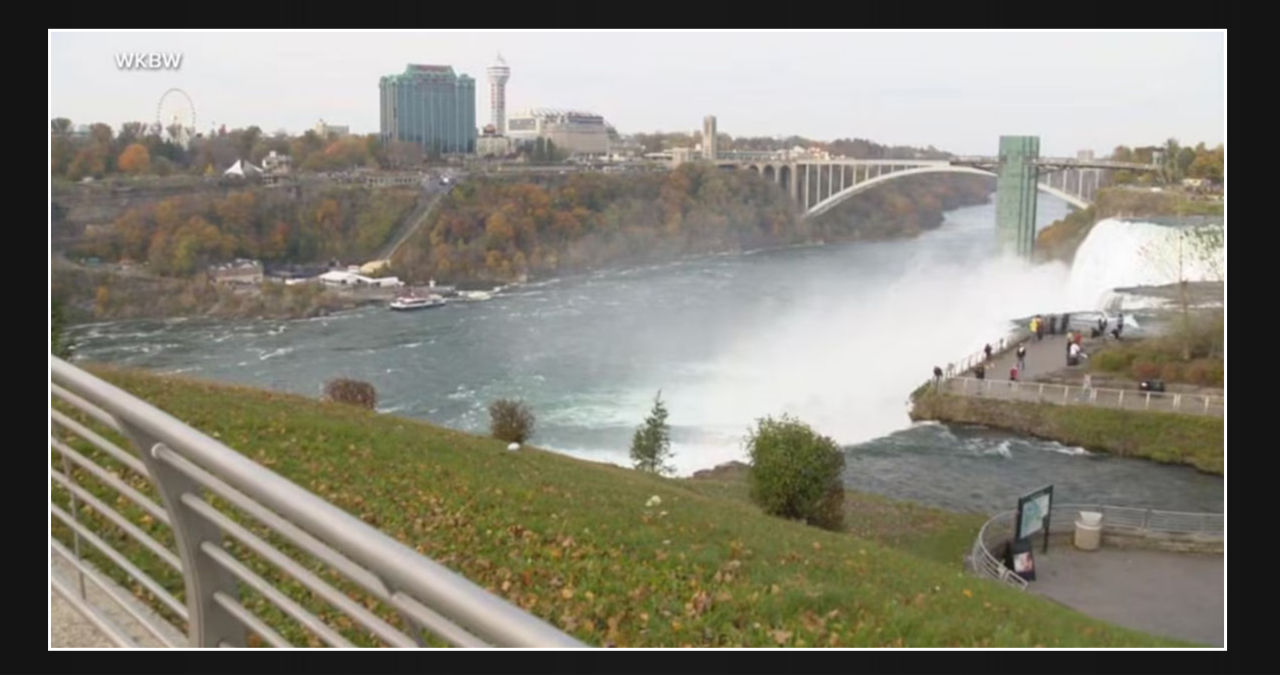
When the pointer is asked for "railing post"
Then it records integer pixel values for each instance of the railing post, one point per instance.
(75, 515)
(209, 625)
(1065, 391)
(1206, 404)
(1121, 403)
(1149, 401)
(1177, 401)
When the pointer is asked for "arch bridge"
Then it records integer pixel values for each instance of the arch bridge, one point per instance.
(818, 185)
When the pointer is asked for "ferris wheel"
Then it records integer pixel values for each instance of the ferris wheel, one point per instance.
(176, 114)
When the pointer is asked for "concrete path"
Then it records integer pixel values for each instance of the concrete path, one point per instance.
(68, 628)
(1175, 595)
(1048, 357)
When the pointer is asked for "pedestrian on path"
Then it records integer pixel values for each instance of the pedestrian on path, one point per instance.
(1013, 374)
(1073, 354)
(937, 377)
(1022, 357)
(1039, 329)
(987, 350)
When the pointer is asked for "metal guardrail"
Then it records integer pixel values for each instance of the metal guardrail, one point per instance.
(1065, 394)
(223, 562)
(999, 530)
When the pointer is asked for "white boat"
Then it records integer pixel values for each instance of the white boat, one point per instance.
(475, 295)
(408, 302)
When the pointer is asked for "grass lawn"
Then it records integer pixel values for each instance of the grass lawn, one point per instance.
(573, 542)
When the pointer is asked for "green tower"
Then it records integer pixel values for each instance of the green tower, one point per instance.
(1016, 194)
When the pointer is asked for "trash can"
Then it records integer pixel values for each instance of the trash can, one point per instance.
(1089, 531)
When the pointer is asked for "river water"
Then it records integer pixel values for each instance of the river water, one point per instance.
(837, 335)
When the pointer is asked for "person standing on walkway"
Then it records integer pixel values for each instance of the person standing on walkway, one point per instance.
(1013, 374)
(937, 377)
(1022, 357)
(1038, 328)
(1073, 354)
(987, 350)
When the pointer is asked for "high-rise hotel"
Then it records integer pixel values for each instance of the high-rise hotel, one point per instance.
(430, 106)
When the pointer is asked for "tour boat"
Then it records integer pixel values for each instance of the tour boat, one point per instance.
(408, 302)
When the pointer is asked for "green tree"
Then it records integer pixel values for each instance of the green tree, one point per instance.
(58, 344)
(796, 472)
(1186, 156)
(651, 444)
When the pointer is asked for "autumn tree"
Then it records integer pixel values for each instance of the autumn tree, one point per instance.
(135, 159)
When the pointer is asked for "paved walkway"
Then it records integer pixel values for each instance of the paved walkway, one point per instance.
(68, 628)
(1048, 357)
(1175, 595)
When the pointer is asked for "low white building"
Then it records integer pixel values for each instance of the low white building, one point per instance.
(275, 163)
(240, 271)
(350, 278)
(324, 130)
(494, 146)
(576, 132)
(242, 169)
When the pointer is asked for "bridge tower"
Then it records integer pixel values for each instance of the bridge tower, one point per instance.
(1017, 176)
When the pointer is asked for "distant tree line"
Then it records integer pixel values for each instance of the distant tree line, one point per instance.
(847, 147)
(178, 236)
(493, 229)
(1176, 161)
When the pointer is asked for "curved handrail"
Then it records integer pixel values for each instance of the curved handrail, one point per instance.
(984, 563)
(182, 460)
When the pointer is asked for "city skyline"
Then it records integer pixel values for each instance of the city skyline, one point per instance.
(957, 91)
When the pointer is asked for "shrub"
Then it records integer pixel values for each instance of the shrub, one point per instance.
(1112, 360)
(1172, 372)
(1145, 370)
(795, 472)
(510, 420)
(651, 445)
(353, 392)
(59, 346)
(1205, 372)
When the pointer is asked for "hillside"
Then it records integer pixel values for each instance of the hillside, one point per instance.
(573, 542)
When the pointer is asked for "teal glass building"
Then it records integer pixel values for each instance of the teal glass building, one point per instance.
(430, 106)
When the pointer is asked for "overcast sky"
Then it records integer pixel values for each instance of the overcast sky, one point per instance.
(958, 91)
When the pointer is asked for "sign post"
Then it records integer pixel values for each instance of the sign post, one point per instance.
(1033, 514)
(1033, 517)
